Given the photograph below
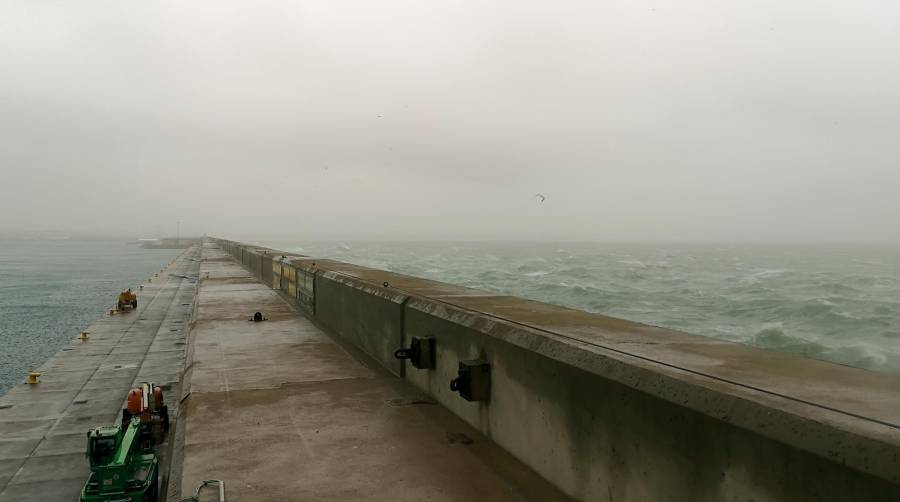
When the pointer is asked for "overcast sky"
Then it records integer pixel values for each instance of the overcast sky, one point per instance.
(689, 120)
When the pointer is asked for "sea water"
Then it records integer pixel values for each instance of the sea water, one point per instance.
(52, 289)
(835, 303)
(840, 304)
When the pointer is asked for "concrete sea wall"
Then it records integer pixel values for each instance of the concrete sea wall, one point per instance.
(608, 409)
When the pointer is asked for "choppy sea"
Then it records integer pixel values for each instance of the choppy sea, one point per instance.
(51, 289)
(839, 304)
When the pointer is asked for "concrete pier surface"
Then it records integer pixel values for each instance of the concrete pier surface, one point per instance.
(281, 412)
(43, 426)
(312, 404)
(608, 409)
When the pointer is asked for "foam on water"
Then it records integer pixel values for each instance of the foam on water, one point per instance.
(836, 304)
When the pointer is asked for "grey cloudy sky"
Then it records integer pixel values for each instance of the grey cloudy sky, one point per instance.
(401, 119)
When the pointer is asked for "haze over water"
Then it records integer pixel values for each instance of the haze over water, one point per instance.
(839, 304)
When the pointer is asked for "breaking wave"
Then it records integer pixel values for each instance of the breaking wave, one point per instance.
(833, 305)
(862, 355)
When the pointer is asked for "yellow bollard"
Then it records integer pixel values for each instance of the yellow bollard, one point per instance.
(33, 378)
(84, 335)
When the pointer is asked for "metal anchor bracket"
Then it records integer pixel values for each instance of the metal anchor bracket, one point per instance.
(473, 381)
(421, 353)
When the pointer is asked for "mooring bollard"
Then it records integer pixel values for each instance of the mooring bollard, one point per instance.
(33, 378)
(84, 335)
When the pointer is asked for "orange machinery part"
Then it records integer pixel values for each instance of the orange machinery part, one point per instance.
(157, 398)
(134, 401)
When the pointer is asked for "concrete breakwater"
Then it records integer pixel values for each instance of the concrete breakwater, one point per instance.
(42, 426)
(548, 403)
(607, 409)
(280, 410)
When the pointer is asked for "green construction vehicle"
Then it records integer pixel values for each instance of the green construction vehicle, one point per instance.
(121, 469)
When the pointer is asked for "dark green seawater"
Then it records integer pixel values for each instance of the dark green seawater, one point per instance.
(839, 304)
(51, 289)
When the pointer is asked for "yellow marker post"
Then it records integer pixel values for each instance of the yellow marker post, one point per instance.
(84, 335)
(33, 378)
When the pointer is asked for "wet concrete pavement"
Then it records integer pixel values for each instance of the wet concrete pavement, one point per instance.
(43, 426)
(280, 411)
